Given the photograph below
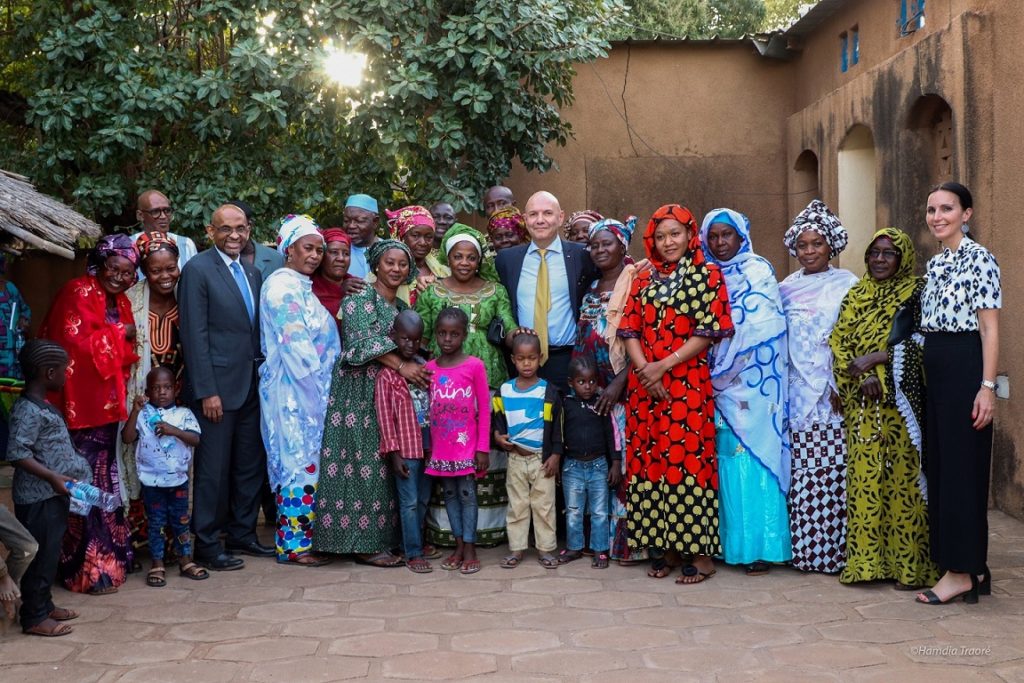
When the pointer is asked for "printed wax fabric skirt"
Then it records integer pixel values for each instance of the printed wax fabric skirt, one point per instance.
(356, 507)
(752, 510)
(958, 456)
(96, 553)
(817, 499)
(618, 499)
(296, 515)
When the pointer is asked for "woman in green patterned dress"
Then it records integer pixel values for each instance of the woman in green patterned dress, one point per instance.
(473, 286)
(879, 375)
(356, 507)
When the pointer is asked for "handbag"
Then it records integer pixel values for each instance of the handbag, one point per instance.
(903, 325)
(496, 332)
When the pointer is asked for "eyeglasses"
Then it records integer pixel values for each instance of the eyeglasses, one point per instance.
(159, 211)
(228, 230)
(887, 254)
(118, 274)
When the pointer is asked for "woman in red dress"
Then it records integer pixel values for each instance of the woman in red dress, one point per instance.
(674, 313)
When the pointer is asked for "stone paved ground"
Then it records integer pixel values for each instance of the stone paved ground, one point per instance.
(348, 622)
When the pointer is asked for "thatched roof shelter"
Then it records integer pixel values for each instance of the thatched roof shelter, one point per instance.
(35, 220)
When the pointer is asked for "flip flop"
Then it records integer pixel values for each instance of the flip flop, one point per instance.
(313, 561)
(63, 614)
(548, 561)
(600, 561)
(689, 571)
(471, 567)
(382, 559)
(452, 564)
(659, 569)
(511, 561)
(758, 568)
(58, 630)
(567, 556)
(419, 565)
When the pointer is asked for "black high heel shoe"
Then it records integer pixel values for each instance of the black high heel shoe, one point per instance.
(985, 585)
(969, 596)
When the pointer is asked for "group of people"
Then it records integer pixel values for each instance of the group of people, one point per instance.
(431, 387)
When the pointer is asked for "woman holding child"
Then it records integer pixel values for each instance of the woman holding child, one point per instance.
(356, 508)
(92, 319)
(674, 312)
(300, 343)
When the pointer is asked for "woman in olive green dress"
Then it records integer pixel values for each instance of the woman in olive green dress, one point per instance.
(473, 286)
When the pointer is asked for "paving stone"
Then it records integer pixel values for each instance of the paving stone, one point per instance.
(918, 674)
(132, 654)
(455, 622)
(207, 672)
(680, 617)
(438, 666)
(305, 577)
(625, 638)
(333, 627)
(746, 635)
(311, 669)
(556, 586)
(726, 598)
(349, 592)
(52, 673)
(988, 626)
(131, 595)
(263, 649)
(875, 631)
(702, 660)
(794, 614)
(396, 606)
(563, 619)
(90, 613)
(505, 641)
(179, 614)
(113, 631)
(980, 652)
(613, 600)
(838, 594)
(776, 675)
(567, 663)
(906, 608)
(249, 595)
(829, 656)
(456, 588)
(219, 631)
(506, 602)
(288, 611)
(19, 649)
(384, 644)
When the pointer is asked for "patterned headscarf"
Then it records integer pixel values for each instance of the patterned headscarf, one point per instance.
(293, 228)
(819, 218)
(408, 217)
(589, 214)
(693, 250)
(118, 244)
(376, 250)
(336, 235)
(622, 231)
(151, 242)
(487, 269)
(508, 218)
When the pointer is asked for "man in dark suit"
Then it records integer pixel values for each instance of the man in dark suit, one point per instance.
(218, 301)
(264, 259)
(546, 280)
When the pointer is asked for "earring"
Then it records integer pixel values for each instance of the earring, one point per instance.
(965, 229)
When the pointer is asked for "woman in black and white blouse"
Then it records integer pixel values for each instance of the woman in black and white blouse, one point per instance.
(960, 320)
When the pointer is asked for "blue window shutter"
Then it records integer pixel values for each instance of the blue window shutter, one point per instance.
(855, 51)
(843, 46)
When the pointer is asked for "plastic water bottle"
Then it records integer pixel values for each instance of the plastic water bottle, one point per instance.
(92, 497)
(153, 418)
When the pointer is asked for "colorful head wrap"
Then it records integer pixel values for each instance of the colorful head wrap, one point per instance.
(293, 228)
(592, 216)
(376, 250)
(819, 218)
(362, 201)
(622, 231)
(682, 215)
(508, 218)
(734, 219)
(118, 244)
(408, 217)
(452, 237)
(336, 235)
(151, 242)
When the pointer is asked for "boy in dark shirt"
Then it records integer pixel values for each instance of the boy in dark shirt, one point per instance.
(590, 464)
(44, 461)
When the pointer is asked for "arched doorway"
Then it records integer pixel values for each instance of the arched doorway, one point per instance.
(857, 194)
(931, 118)
(804, 187)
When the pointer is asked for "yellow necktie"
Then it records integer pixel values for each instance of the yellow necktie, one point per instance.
(541, 304)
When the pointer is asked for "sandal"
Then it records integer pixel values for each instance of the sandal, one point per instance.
(63, 614)
(381, 559)
(155, 578)
(659, 569)
(511, 561)
(106, 590)
(758, 568)
(453, 563)
(193, 571)
(690, 571)
(419, 565)
(471, 567)
(600, 561)
(307, 560)
(58, 629)
(548, 561)
(431, 552)
(567, 556)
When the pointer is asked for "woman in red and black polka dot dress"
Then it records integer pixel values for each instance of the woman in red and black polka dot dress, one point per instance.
(675, 311)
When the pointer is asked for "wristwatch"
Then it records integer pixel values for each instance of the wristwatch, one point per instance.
(991, 386)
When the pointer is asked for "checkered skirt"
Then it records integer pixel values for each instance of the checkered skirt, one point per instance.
(817, 499)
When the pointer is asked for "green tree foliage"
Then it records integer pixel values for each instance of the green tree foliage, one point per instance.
(230, 99)
(779, 14)
(649, 19)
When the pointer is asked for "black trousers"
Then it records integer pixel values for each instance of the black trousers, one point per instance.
(47, 521)
(959, 457)
(230, 466)
(556, 369)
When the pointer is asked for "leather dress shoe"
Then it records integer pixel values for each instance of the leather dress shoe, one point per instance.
(221, 563)
(255, 548)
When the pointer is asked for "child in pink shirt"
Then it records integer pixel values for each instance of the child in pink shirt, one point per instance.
(460, 428)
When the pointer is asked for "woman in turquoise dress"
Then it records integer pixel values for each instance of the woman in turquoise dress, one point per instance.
(472, 286)
(300, 343)
(16, 317)
(749, 373)
(356, 508)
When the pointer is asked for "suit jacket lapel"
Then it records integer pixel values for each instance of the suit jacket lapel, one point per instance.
(229, 281)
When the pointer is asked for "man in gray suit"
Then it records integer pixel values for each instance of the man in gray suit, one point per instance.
(218, 301)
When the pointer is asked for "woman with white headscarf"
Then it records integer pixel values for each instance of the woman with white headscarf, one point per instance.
(749, 372)
(300, 343)
(811, 298)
